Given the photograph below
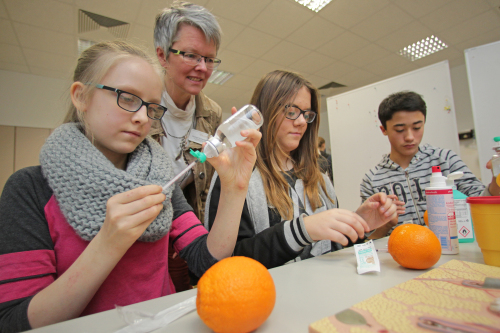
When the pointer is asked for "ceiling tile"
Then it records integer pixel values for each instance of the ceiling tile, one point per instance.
(12, 54)
(355, 77)
(453, 13)
(315, 33)
(243, 12)
(347, 13)
(382, 23)
(311, 63)
(259, 68)
(223, 92)
(51, 73)
(8, 66)
(494, 3)
(316, 80)
(123, 10)
(230, 30)
(47, 14)
(210, 88)
(242, 82)
(56, 62)
(3, 11)
(285, 53)
(404, 37)
(142, 35)
(343, 45)
(383, 65)
(234, 62)
(366, 55)
(395, 71)
(335, 71)
(281, 17)
(486, 38)
(253, 42)
(421, 7)
(477, 25)
(148, 11)
(46, 40)
(7, 36)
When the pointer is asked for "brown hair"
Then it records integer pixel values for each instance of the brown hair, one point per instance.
(272, 93)
(321, 141)
(95, 62)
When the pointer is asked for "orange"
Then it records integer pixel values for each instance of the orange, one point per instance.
(426, 219)
(235, 295)
(414, 246)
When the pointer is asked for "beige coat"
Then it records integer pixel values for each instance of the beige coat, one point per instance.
(208, 118)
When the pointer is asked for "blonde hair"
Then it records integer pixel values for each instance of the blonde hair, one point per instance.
(95, 62)
(273, 92)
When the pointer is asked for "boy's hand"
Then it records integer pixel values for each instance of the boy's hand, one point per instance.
(377, 210)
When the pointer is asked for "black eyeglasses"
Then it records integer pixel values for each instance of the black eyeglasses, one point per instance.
(292, 112)
(194, 59)
(132, 103)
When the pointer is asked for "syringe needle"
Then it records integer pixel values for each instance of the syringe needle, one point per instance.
(173, 180)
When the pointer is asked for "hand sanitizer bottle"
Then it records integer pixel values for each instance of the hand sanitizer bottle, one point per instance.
(465, 229)
(441, 212)
(248, 117)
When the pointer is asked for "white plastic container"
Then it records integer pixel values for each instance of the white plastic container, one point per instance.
(441, 212)
(495, 160)
(248, 117)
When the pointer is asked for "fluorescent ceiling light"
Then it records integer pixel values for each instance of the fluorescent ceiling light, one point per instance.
(219, 77)
(314, 5)
(423, 48)
(84, 44)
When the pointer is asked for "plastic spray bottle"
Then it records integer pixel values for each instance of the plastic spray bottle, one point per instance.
(248, 117)
(495, 160)
(465, 229)
(441, 212)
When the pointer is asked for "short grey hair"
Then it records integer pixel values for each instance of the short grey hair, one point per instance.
(170, 19)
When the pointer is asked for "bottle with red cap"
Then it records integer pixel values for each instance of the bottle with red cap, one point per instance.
(441, 211)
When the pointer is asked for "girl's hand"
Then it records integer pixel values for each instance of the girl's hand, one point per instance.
(234, 166)
(128, 214)
(336, 225)
(378, 209)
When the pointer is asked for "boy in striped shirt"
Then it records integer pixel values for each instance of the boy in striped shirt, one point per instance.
(405, 172)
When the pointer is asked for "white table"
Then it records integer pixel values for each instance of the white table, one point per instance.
(306, 292)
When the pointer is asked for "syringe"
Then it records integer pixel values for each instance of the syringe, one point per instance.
(200, 157)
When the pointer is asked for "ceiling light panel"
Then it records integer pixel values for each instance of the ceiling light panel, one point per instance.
(423, 48)
(219, 77)
(314, 5)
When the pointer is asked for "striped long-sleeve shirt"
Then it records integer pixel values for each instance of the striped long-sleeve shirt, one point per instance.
(409, 184)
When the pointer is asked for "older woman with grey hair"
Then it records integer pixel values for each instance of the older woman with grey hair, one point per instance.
(187, 38)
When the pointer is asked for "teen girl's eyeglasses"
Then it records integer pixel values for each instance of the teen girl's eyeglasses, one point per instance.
(132, 103)
(292, 112)
(194, 59)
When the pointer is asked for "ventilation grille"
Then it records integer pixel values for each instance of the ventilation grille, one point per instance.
(331, 85)
(88, 21)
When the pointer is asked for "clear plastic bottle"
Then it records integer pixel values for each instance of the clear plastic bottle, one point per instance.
(495, 160)
(248, 117)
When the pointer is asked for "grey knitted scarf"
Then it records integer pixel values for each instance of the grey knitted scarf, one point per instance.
(83, 180)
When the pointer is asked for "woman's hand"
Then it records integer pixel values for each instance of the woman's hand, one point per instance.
(234, 166)
(128, 214)
(378, 209)
(336, 225)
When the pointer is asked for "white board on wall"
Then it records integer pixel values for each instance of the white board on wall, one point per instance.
(356, 140)
(483, 71)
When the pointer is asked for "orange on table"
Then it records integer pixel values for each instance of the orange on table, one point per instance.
(426, 218)
(235, 295)
(414, 246)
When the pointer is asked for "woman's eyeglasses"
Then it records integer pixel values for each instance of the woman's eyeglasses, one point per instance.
(132, 103)
(292, 112)
(194, 59)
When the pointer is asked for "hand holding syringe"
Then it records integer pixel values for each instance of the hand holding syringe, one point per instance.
(227, 134)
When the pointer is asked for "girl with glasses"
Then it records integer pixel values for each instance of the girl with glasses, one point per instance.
(90, 227)
(302, 218)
